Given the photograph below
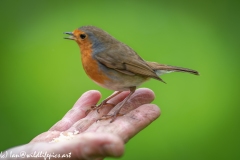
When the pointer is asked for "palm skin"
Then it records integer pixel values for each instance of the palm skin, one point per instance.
(97, 139)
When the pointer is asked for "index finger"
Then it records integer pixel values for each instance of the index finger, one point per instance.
(78, 111)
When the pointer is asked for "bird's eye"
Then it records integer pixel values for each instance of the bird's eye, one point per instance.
(82, 36)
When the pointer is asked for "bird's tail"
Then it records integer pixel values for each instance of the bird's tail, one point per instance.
(161, 69)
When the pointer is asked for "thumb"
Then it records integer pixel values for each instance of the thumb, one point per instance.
(84, 146)
(97, 145)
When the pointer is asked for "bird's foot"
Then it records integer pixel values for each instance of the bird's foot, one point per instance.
(98, 107)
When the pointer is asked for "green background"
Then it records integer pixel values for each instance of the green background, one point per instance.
(41, 75)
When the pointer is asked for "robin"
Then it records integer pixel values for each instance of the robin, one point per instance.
(114, 65)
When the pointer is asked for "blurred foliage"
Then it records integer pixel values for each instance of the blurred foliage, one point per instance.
(42, 77)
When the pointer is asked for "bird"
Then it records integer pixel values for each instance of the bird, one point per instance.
(114, 65)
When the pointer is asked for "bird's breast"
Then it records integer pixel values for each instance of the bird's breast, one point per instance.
(91, 66)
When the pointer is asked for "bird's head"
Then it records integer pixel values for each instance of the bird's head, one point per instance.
(90, 35)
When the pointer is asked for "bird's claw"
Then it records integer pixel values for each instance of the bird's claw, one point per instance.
(98, 107)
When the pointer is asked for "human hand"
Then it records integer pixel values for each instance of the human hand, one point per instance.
(96, 139)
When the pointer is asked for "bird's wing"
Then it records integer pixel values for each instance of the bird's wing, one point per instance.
(123, 59)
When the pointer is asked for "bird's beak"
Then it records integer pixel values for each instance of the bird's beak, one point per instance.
(71, 37)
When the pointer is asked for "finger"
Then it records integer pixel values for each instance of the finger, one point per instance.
(130, 124)
(78, 111)
(140, 97)
(138, 119)
(105, 110)
(95, 145)
(93, 116)
(138, 115)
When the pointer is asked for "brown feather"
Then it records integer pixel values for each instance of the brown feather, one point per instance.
(157, 66)
(130, 64)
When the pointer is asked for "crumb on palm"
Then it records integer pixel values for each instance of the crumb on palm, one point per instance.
(65, 136)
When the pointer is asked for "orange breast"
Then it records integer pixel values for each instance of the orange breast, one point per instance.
(91, 66)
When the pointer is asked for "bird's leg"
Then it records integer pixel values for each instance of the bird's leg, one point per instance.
(117, 112)
(103, 103)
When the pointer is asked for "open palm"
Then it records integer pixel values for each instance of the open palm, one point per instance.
(96, 139)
